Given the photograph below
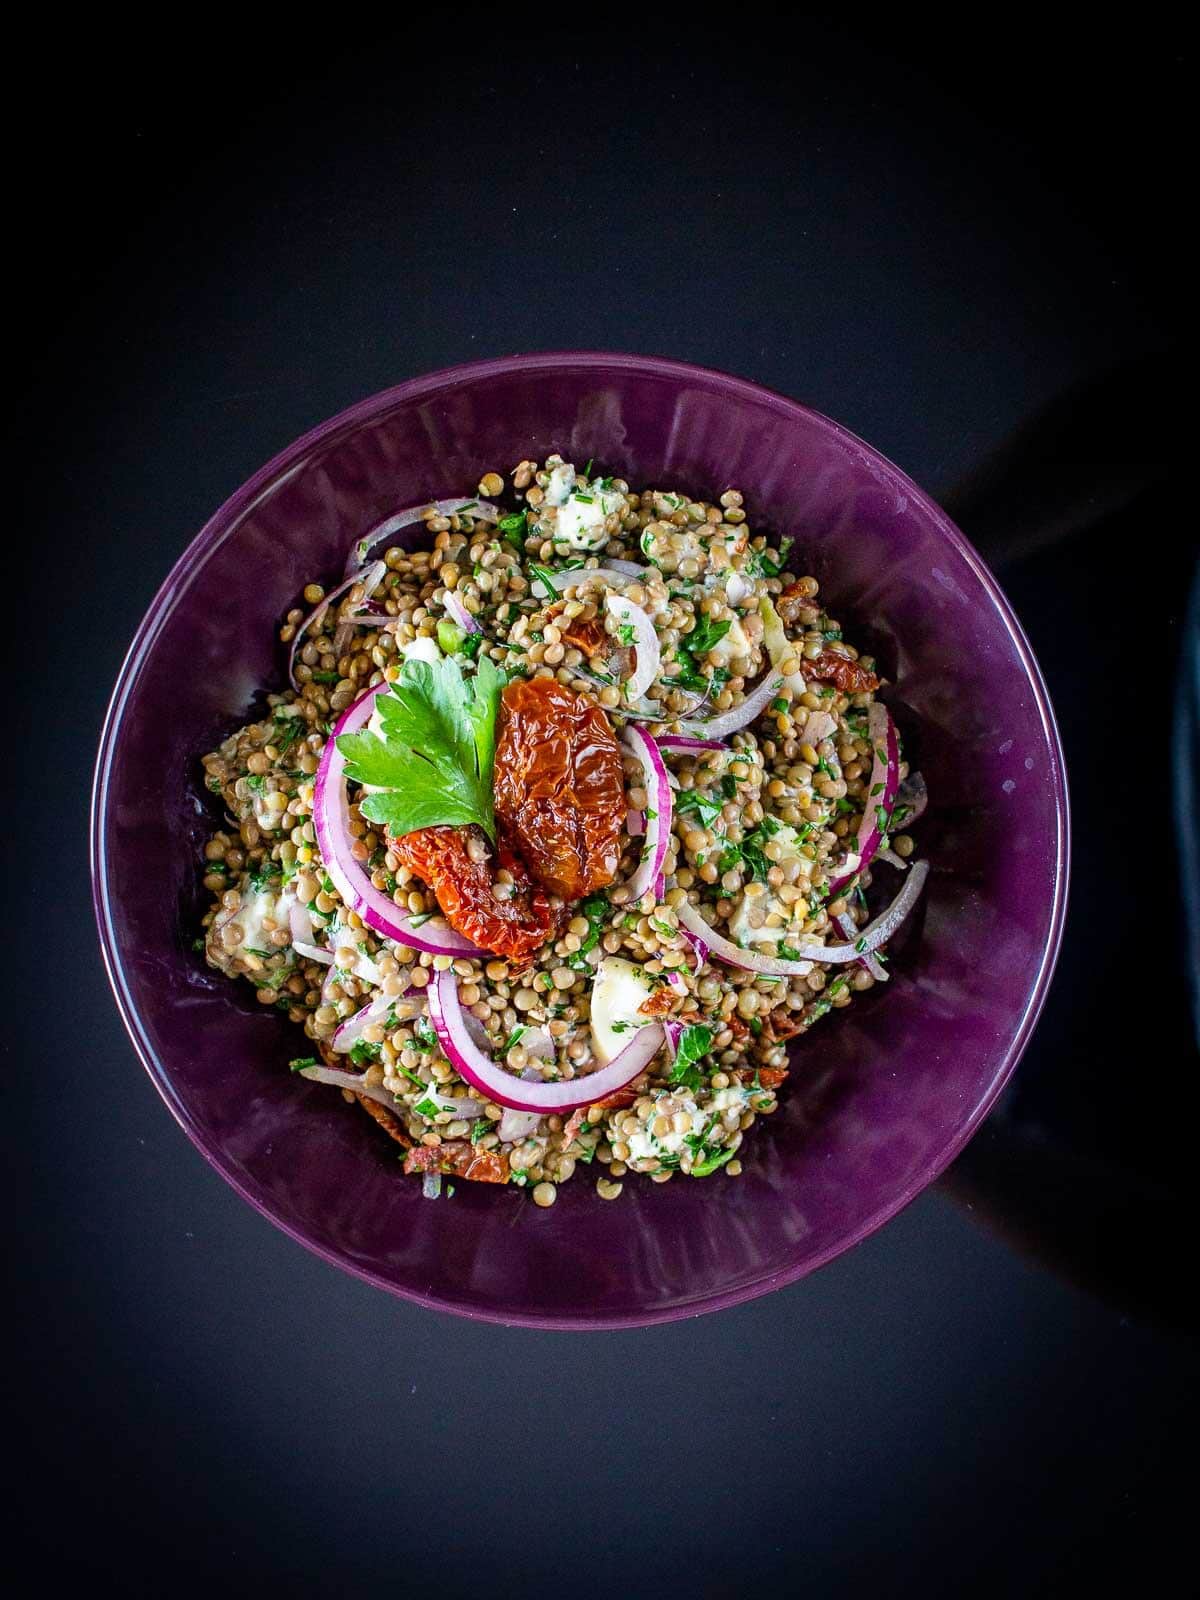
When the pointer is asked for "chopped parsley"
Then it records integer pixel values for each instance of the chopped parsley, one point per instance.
(760, 564)
(716, 1158)
(694, 1043)
(424, 1035)
(703, 806)
(363, 1053)
(300, 1062)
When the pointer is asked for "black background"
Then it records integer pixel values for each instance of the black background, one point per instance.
(962, 244)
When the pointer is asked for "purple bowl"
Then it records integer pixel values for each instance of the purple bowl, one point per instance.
(881, 1096)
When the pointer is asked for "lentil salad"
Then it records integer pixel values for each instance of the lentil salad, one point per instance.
(586, 795)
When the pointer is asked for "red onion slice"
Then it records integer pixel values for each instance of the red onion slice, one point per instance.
(517, 1125)
(351, 1080)
(460, 614)
(881, 795)
(892, 859)
(361, 549)
(914, 795)
(559, 581)
(674, 1030)
(645, 643)
(737, 717)
(649, 874)
(685, 742)
(628, 569)
(370, 578)
(478, 1069)
(300, 926)
(331, 818)
(351, 1031)
(845, 925)
(869, 938)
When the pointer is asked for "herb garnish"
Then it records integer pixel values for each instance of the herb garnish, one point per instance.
(434, 761)
(694, 1043)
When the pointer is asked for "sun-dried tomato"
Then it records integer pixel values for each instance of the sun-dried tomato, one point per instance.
(832, 667)
(781, 1025)
(559, 788)
(589, 637)
(458, 1158)
(793, 604)
(618, 1099)
(768, 1077)
(658, 1004)
(515, 926)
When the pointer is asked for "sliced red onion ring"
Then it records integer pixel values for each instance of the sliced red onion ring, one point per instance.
(737, 717)
(351, 1080)
(913, 794)
(645, 643)
(361, 549)
(685, 742)
(312, 952)
(573, 575)
(351, 1031)
(331, 818)
(517, 1125)
(459, 612)
(369, 577)
(635, 824)
(649, 874)
(435, 936)
(484, 1074)
(892, 859)
(300, 924)
(674, 1031)
(845, 925)
(881, 795)
(699, 947)
(869, 938)
(628, 569)
(674, 980)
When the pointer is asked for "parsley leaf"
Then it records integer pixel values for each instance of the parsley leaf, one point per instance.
(760, 564)
(706, 808)
(709, 1165)
(364, 1052)
(694, 1043)
(434, 759)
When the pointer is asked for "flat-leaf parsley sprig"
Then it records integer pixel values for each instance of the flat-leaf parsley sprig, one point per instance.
(431, 763)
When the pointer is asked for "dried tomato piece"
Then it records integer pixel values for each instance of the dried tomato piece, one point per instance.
(589, 637)
(559, 788)
(832, 667)
(768, 1077)
(458, 1158)
(573, 1124)
(514, 926)
(658, 1005)
(794, 602)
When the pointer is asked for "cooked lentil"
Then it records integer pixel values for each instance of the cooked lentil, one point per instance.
(757, 828)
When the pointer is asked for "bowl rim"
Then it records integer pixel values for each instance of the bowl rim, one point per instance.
(223, 523)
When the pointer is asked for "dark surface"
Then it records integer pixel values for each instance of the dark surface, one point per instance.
(934, 241)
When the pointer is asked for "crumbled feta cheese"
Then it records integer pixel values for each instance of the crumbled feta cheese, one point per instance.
(562, 481)
(580, 520)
